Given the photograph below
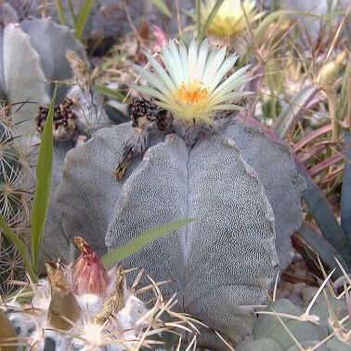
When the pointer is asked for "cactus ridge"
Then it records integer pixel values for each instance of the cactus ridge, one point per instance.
(217, 181)
(14, 201)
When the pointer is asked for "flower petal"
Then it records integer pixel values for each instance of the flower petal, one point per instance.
(202, 58)
(212, 65)
(162, 73)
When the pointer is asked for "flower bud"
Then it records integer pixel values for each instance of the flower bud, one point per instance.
(89, 274)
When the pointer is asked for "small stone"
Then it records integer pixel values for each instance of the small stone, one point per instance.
(296, 299)
(298, 287)
(284, 290)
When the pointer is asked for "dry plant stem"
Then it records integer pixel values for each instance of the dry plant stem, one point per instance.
(147, 66)
(322, 342)
(132, 24)
(230, 347)
(332, 102)
(178, 17)
(336, 36)
(317, 293)
(346, 276)
(305, 317)
(251, 33)
(313, 135)
(288, 331)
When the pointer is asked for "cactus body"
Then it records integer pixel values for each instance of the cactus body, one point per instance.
(22, 78)
(52, 41)
(14, 201)
(32, 55)
(270, 334)
(219, 263)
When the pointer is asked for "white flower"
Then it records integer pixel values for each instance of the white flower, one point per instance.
(232, 18)
(192, 85)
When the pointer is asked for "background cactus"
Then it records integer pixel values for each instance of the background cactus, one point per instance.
(15, 190)
(33, 56)
(326, 330)
(173, 182)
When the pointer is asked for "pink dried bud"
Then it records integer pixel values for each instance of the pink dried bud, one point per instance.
(160, 38)
(89, 274)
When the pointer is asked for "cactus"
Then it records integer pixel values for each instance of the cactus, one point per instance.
(223, 182)
(15, 184)
(240, 186)
(33, 55)
(85, 307)
(324, 327)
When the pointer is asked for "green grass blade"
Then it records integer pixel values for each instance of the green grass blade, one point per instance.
(71, 10)
(83, 16)
(61, 12)
(142, 240)
(111, 93)
(162, 6)
(43, 190)
(209, 19)
(21, 247)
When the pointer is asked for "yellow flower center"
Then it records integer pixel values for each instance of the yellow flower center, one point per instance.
(192, 93)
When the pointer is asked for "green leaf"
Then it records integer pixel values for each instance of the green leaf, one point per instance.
(83, 16)
(21, 247)
(161, 6)
(321, 247)
(323, 214)
(43, 190)
(61, 12)
(142, 240)
(71, 10)
(111, 93)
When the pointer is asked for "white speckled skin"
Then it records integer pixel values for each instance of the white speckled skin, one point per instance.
(223, 261)
(276, 170)
(88, 190)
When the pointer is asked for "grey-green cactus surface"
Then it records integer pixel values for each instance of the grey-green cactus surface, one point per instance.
(15, 188)
(289, 332)
(52, 41)
(222, 262)
(32, 58)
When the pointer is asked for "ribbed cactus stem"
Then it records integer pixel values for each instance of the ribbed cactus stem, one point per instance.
(14, 200)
